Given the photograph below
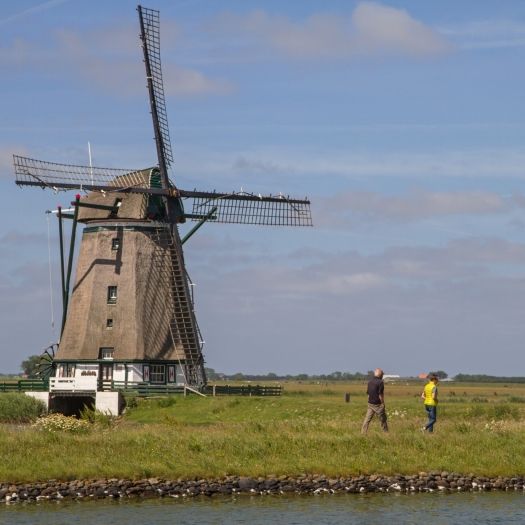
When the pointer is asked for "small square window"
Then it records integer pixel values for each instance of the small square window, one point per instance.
(109, 323)
(106, 353)
(115, 244)
(112, 294)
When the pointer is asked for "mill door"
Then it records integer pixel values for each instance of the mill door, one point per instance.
(106, 375)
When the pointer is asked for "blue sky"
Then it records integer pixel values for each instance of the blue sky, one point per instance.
(403, 121)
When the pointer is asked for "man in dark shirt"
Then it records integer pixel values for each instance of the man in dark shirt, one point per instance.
(376, 401)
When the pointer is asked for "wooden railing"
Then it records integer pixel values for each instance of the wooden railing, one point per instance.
(24, 385)
(140, 389)
(147, 389)
(243, 390)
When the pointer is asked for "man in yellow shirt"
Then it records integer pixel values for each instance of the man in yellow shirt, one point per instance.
(430, 398)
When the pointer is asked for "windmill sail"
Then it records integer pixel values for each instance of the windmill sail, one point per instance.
(33, 172)
(247, 208)
(150, 37)
(235, 207)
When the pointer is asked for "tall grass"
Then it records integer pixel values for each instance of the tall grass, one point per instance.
(19, 408)
(195, 437)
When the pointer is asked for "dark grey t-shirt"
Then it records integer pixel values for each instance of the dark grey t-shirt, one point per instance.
(376, 387)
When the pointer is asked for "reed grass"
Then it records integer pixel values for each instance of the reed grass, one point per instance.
(19, 408)
(315, 432)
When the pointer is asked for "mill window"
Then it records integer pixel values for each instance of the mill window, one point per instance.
(115, 244)
(158, 373)
(66, 370)
(109, 323)
(106, 352)
(112, 294)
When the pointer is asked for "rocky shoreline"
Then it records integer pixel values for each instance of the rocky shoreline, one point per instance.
(305, 484)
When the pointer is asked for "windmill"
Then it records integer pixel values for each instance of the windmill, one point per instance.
(130, 316)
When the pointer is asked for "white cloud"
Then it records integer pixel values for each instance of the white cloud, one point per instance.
(275, 165)
(387, 30)
(372, 30)
(487, 34)
(415, 205)
(116, 63)
(385, 307)
(110, 58)
(254, 166)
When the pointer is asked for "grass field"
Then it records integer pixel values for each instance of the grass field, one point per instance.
(310, 429)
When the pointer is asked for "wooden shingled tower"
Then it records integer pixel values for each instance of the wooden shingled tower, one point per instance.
(129, 316)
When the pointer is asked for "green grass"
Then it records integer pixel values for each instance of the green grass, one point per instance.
(310, 432)
(19, 408)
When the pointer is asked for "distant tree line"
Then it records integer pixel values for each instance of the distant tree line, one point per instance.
(482, 378)
(334, 376)
(29, 368)
(349, 376)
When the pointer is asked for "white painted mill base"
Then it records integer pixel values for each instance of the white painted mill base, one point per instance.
(109, 403)
(41, 396)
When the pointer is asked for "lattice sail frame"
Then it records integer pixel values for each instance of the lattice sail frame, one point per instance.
(151, 20)
(234, 208)
(245, 208)
(32, 172)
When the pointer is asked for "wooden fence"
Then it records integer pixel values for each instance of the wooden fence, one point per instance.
(243, 390)
(24, 385)
(147, 389)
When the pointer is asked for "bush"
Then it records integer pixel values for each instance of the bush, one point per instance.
(131, 402)
(475, 411)
(479, 400)
(61, 423)
(19, 408)
(499, 412)
(166, 402)
(96, 417)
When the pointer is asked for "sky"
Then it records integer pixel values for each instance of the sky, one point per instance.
(403, 121)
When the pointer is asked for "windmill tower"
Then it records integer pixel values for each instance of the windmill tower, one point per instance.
(129, 317)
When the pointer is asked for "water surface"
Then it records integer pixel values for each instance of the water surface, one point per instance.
(348, 509)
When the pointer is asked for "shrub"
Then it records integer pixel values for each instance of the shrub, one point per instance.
(166, 402)
(61, 423)
(96, 417)
(475, 411)
(499, 412)
(479, 400)
(19, 408)
(131, 402)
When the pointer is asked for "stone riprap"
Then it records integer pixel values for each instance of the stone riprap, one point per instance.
(305, 484)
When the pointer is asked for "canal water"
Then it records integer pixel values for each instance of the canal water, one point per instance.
(438, 509)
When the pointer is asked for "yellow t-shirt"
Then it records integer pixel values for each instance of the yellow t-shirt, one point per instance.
(429, 389)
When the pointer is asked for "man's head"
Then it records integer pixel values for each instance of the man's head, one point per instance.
(378, 373)
(433, 377)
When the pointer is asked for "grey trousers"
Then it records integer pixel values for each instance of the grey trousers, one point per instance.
(375, 410)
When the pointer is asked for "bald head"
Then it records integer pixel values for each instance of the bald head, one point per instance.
(378, 373)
